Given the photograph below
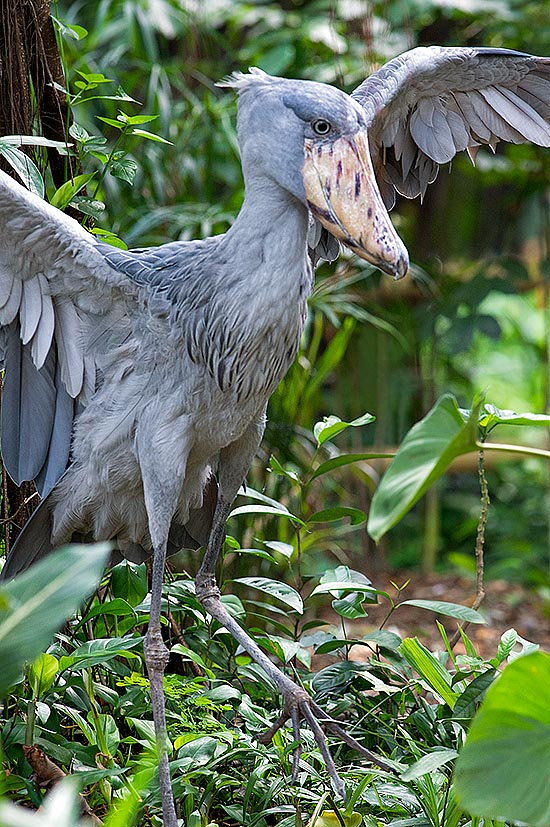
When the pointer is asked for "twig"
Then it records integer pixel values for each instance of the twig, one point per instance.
(480, 542)
(25, 502)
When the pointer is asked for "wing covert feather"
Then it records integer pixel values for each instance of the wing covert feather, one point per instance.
(432, 102)
(56, 291)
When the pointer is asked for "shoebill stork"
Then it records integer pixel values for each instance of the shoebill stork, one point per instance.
(136, 383)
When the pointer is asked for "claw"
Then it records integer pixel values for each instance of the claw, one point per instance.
(298, 704)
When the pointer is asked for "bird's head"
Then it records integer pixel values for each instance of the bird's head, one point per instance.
(311, 139)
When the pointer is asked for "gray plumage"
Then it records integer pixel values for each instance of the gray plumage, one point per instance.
(432, 102)
(153, 368)
(202, 332)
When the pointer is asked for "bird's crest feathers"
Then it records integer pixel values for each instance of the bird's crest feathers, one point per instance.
(242, 80)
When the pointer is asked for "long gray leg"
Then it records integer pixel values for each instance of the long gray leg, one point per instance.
(160, 500)
(234, 463)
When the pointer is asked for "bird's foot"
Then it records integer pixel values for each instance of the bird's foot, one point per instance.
(299, 705)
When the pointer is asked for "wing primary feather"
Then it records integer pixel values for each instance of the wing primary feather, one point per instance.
(31, 309)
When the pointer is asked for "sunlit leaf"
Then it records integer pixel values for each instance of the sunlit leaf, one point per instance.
(429, 669)
(503, 771)
(424, 455)
(456, 610)
(35, 604)
(282, 591)
(428, 763)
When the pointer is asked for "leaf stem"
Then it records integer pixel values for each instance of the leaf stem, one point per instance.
(514, 449)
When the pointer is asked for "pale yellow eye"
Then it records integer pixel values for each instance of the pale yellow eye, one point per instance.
(321, 127)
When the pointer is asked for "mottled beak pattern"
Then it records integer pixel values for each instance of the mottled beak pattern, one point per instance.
(343, 195)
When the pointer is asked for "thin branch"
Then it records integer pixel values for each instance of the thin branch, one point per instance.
(480, 543)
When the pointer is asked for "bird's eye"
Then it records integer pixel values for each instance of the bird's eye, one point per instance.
(321, 127)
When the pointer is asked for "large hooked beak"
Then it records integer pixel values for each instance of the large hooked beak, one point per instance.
(342, 194)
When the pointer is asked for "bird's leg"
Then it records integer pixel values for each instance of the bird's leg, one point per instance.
(160, 501)
(297, 702)
(156, 659)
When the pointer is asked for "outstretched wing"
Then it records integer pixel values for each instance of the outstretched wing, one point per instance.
(60, 304)
(432, 102)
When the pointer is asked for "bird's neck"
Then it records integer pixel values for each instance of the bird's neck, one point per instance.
(269, 238)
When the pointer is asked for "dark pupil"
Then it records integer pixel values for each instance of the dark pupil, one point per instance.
(321, 127)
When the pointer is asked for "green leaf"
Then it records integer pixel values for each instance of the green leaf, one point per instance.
(24, 167)
(265, 509)
(35, 604)
(88, 206)
(129, 582)
(428, 763)
(472, 696)
(429, 669)
(339, 588)
(282, 591)
(345, 459)
(100, 651)
(492, 416)
(117, 607)
(503, 771)
(117, 124)
(331, 426)
(456, 610)
(142, 133)
(382, 638)
(350, 606)
(69, 30)
(424, 455)
(66, 192)
(42, 674)
(338, 512)
(125, 170)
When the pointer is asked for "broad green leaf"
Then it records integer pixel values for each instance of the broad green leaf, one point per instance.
(100, 651)
(383, 638)
(345, 459)
(472, 696)
(424, 455)
(286, 549)
(62, 197)
(503, 770)
(125, 169)
(429, 669)
(117, 607)
(339, 588)
(42, 674)
(491, 416)
(331, 426)
(129, 582)
(428, 763)
(35, 604)
(456, 610)
(338, 512)
(282, 591)
(33, 140)
(507, 642)
(69, 29)
(350, 606)
(24, 167)
(265, 509)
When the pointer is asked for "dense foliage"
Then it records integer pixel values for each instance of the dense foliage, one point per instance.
(155, 143)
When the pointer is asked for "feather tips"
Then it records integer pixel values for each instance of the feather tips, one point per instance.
(430, 103)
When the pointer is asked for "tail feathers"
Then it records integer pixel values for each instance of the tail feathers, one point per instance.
(33, 543)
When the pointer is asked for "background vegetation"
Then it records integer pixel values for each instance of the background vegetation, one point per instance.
(474, 317)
